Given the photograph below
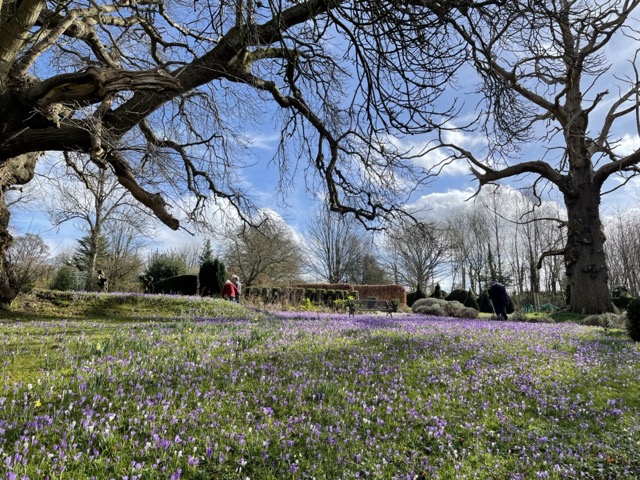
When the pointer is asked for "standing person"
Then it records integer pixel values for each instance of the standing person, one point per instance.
(229, 291)
(236, 281)
(499, 298)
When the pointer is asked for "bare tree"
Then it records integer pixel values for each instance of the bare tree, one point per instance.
(265, 254)
(546, 80)
(470, 238)
(28, 257)
(419, 250)
(124, 261)
(335, 246)
(623, 250)
(156, 93)
(80, 192)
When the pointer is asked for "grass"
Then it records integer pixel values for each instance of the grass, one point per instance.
(166, 392)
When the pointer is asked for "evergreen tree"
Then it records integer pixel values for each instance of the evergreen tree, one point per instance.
(207, 253)
(207, 277)
(219, 276)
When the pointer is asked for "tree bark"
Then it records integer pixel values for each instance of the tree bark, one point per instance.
(584, 256)
(16, 171)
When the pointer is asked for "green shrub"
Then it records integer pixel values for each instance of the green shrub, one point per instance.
(465, 297)
(276, 294)
(415, 296)
(484, 302)
(178, 285)
(164, 265)
(438, 292)
(63, 280)
(207, 278)
(219, 276)
(633, 319)
(395, 304)
(621, 297)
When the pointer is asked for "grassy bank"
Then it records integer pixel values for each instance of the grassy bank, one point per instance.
(247, 395)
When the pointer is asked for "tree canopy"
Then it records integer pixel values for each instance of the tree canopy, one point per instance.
(159, 93)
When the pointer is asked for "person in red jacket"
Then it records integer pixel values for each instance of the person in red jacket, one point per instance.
(229, 291)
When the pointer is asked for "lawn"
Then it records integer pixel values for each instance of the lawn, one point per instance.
(257, 395)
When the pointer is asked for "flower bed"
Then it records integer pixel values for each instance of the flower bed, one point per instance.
(317, 396)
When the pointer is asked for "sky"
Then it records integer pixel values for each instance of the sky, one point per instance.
(452, 189)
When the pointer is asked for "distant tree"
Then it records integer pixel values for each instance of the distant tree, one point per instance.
(266, 253)
(78, 191)
(468, 238)
(205, 278)
(28, 259)
(419, 251)
(123, 262)
(372, 272)
(623, 248)
(64, 279)
(551, 75)
(91, 254)
(207, 252)
(335, 246)
(219, 276)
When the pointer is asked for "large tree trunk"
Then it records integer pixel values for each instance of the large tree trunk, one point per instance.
(7, 290)
(15, 171)
(584, 256)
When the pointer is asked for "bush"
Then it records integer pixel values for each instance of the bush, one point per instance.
(415, 296)
(64, 280)
(438, 292)
(465, 297)
(207, 278)
(178, 285)
(432, 310)
(212, 276)
(621, 297)
(605, 320)
(442, 308)
(219, 276)
(164, 265)
(633, 319)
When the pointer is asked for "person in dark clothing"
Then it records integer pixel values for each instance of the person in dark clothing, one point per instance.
(103, 281)
(499, 298)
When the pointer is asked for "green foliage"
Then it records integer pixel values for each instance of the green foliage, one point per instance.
(413, 297)
(161, 266)
(438, 292)
(395, 304)
(86, 249)
(633, 319)
(64, 280)
(207, 277)
(465, 297)
(178, 285)
(484, 302)
(219, 276)
(621, 297)
(311, 294)
(307, 305)
(207, 253)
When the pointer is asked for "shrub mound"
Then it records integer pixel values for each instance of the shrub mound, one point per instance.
(439, 307)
